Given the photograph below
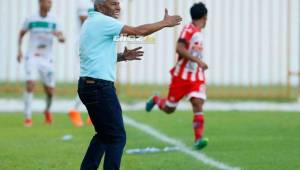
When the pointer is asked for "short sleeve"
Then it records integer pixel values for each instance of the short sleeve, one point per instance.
(113, 27)
(82, 12)
(82, 7)
(26, 24)
(58, 26)
(56, 22)
(186, 34)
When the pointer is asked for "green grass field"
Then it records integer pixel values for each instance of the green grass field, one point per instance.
(249, 140)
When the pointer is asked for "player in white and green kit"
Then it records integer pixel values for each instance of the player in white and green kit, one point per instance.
(83, 7)
(42, 27)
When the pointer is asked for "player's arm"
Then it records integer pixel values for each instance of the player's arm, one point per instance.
(128, 55)
(147, 29)
(183, 52)
(20, 40)
(82, 18)
(82, 11)
(60, 36)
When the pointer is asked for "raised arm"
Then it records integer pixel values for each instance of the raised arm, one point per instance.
(183, 52)
(82, 18)
(147, 29)
(20, 40)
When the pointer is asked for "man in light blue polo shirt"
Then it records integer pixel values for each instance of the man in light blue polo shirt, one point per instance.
(97, 50)
(98, 59)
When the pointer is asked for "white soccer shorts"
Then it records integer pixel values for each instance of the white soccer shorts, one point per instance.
(40, 67)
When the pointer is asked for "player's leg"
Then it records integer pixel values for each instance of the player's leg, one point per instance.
(168, 105)
(89, 121)
(49, 91)
(77, 102)
(198, 121)
(162, 103)
(46, 71)
(28, 97)
(197, 99)
(74, 113)
(30, 76)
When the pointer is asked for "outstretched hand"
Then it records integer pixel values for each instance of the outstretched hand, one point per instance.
(134, 54)
(171, 21)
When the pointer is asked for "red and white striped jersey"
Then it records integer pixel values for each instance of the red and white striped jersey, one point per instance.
(184, 68)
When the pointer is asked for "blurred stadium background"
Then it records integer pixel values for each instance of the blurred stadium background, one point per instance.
(252, 48)
(253, 52)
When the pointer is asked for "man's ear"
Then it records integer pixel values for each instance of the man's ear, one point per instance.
(98, 7)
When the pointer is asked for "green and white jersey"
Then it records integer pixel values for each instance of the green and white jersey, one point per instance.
(84, 6)
(41, 31)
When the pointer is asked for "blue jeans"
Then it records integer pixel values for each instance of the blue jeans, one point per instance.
(101, 101)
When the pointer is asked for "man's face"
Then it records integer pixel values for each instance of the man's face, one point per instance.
(111, 8)
(45, 5)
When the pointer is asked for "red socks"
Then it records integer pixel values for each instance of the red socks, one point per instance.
(198, 121)
(198, 124)
(159, 101)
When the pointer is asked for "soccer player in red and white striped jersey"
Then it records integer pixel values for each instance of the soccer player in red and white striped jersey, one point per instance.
(186, 68)
(188, 75)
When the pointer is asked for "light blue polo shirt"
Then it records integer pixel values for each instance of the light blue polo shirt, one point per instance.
(98, 55)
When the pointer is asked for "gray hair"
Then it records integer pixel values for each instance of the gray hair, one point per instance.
(97, 2)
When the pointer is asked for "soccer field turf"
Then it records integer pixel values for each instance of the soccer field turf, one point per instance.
(249, 140)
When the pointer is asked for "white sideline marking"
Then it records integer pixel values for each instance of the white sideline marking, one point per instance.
(182, 147)
(62, 106)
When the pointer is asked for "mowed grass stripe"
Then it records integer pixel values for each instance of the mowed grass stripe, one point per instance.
(182, 147)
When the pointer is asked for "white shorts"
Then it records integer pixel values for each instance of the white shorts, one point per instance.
(40, 67)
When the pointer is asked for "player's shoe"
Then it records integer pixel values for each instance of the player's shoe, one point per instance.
(200, 144)
(89, 121)
(48, 117)
(150, 104)
(75, 117)
(27, 122)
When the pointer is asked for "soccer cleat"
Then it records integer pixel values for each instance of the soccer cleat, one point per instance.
(89, 121)
(200, 144)
(75, 118)
(27, 122)
(48, 117)
(150, 104)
